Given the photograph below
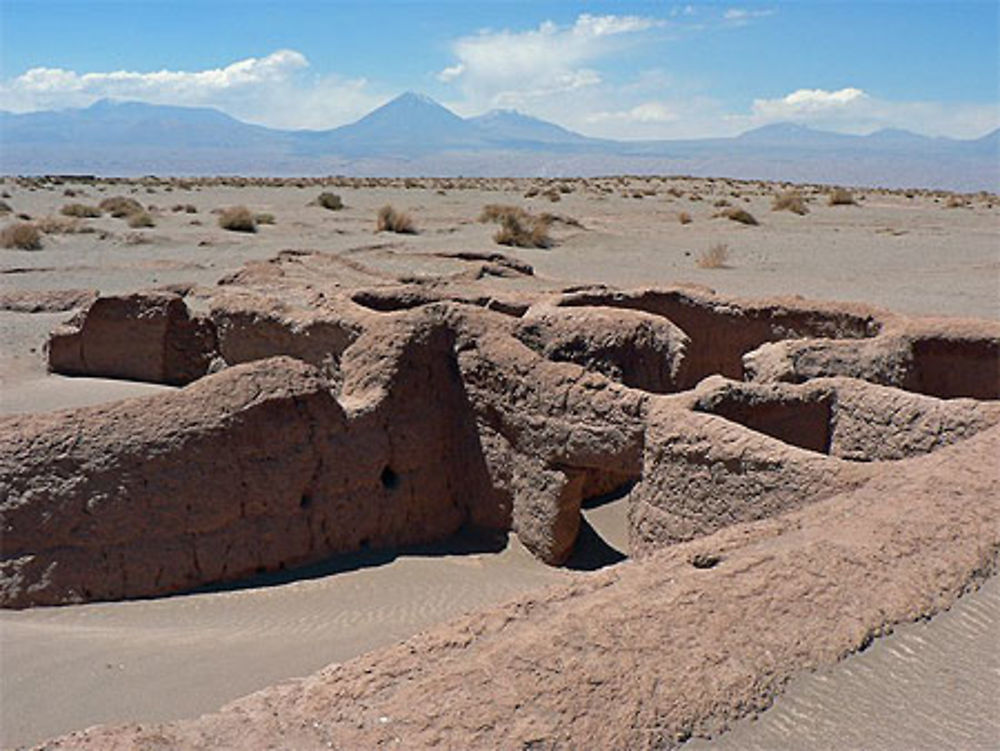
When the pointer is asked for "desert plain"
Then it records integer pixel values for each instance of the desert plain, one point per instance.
(858, 598)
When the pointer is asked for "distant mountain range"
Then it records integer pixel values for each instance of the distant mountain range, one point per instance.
(414, 135)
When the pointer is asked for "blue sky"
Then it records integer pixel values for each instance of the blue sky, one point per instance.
(614, 69)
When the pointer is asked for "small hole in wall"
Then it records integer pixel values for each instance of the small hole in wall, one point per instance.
(390, 480)
(305, 501)
(705, 560)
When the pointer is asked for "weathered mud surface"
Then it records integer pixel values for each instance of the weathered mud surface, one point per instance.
(733, 615)
(785, 461)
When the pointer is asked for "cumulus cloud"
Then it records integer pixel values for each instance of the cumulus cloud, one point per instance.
(273, 90)
(854, 110)
(514, 68)
(809, 101)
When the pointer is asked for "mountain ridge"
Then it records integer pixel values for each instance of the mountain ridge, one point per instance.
(414, 132)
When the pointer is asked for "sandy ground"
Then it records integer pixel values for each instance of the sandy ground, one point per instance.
(66, 668)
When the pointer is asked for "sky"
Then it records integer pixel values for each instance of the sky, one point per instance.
(619, 69)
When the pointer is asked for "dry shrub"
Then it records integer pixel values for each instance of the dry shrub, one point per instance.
(716, 257)
(238, 219)
(520, 228)
(139, 219)
(330, 201)
(265, 218)
(739, 215)
(80, 210)
(21, 235)
(684, 218)
(390, 220)
(188, 208)
(531, 192)
(5, 207)
(955, 202)
(533, 232)
(841, 197)
(790, 200)
(61, 225)
(553, 195)
(496, 212)
(119, 206)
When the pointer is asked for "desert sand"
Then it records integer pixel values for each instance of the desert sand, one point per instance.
(149, 660)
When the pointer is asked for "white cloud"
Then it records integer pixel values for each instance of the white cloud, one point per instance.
(743, 16)
(808, 101)
(647, 112)
(272, 90)
(853, 110)
(516, 68)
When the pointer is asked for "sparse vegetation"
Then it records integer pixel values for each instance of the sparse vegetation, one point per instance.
(80, 210)
(739, 215)
(265, 218)
(5, 208)
(790, 200)
(22, 236)
(61, 225)
(390, 220)
(330, 201)
(139, 219)
(520, 228)
(716, 257)
(495, 212)
(120, 206)
(238, 219)
(684, 218)
(841, 197)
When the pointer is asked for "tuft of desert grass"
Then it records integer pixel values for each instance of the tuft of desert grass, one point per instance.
(5, 207)
(520, 228)
(739, 215)
(265, 218)
(120, 206)
(496, 212)
(80, 210)
(684, 218)
(716, 257)
(61, 225)
(790, 200)
(139, 219)
(330, 201)
(238, 219)
(532, 232)
(390, 220)
(841, 197)
(22, 236)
